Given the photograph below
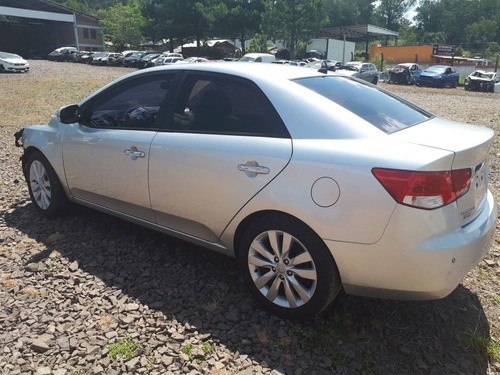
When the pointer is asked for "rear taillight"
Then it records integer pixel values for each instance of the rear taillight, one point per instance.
(428, 190)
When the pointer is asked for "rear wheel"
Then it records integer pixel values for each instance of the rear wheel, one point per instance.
(375, 80)
(45, 189)
(287, 267)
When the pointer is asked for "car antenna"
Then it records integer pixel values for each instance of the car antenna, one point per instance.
(324, 68)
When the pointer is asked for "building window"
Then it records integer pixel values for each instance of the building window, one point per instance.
(85, 33)
(93, 34)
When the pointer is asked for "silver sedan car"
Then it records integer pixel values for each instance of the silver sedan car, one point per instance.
(315, 183)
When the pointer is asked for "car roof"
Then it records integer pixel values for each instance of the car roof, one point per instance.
(255, 72)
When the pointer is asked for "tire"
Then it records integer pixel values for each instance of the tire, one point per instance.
(287, 267)
(375, 80)
(45, 189)
(2, 69)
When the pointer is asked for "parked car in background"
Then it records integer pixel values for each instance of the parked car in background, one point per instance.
(481, 80)
(105, 58)
(406, 73)
(173, 54)
(147, 60)
(258, 57)
(122, 56)
(60, 54)
(314, 182)
(11, 62)
(84, 57)
(193, 59)
(331, 65)
(167, 60)
(131, 60)
(438, 76)
(97, 58)
(365, 71)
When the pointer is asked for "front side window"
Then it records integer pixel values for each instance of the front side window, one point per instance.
(132, 105)
(381, 109)
(212, 104)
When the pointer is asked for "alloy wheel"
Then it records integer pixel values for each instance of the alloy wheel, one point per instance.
(282, 269)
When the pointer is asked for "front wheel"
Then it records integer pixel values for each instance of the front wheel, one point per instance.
(45, 189)
(287, 267)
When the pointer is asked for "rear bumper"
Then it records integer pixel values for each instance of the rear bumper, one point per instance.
(401, 266)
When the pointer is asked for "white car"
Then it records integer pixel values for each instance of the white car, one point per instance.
(258, 57)
(314, 182)
(167, 60)
(10, 62)
(482, 80)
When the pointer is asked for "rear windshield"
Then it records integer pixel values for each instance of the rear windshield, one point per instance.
(380, 108)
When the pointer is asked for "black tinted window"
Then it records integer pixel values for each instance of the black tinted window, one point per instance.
(133, 104)
(386, 112)
(226, 106)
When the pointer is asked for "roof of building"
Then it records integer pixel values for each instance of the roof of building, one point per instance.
(355, 32)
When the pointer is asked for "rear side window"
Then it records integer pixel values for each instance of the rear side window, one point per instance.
(381, 109)
(222, 105)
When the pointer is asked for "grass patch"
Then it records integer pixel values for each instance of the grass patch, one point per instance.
(197, 353)
(496, 299)
(484, 344)
(125, 348)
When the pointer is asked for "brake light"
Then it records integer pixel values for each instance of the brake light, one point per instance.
(427, 190)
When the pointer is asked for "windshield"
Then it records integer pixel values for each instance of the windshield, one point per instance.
(436, 69)
(382, 109)
(6, 55)
(247, 59)
(350, 67)
(483, 75)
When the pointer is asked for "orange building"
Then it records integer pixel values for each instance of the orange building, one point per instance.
(426, 54)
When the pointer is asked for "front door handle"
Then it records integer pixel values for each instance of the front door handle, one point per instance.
(134, 154)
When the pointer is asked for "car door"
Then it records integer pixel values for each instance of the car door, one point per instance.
(224, 144)
(106, 155)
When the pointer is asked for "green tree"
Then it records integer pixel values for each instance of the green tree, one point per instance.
(236, 19)
(293, 21)
(346, 13)
(391, 13)
(123, 25)
(481, 32)
(492, 51)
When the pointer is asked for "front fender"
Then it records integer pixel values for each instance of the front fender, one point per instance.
(46, 139)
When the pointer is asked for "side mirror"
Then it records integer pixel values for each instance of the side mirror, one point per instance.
(69, 114)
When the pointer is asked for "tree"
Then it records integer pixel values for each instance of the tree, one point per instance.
(481, 32)
(123, 25)
(293, 20)
(347, 13)
(237, 19)
(391, 13)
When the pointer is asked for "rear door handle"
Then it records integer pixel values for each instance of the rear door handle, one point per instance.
(250, 168)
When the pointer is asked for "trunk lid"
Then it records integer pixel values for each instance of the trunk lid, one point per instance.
(470, 145)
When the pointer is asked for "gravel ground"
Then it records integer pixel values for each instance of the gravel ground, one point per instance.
(80, 293)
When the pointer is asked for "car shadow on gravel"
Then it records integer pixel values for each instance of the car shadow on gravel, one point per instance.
(202, 291)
